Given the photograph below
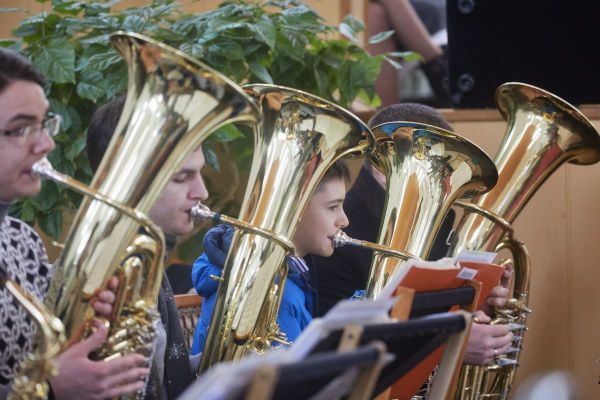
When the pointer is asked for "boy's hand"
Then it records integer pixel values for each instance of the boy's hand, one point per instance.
(217, 242)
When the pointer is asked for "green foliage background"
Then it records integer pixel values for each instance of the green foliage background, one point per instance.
(283, 42)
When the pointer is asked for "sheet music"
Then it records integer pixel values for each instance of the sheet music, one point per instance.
(446, 262)
(345, 312)
(227, 380)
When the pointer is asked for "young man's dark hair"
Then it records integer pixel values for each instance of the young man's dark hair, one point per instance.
(102, 125)
(14, 67)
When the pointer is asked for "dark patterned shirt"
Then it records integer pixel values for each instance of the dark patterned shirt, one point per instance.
(23, 259)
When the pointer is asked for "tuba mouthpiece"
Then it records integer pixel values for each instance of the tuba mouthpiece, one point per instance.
(200, 213)
(341, 239)
(42, 168)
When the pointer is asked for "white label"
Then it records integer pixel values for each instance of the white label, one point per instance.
(467, 273)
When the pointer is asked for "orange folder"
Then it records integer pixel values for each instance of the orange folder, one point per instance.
(425, 278)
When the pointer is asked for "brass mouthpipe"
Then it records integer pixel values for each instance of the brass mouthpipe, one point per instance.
(44, 170)
(342, 239)
(200, 213)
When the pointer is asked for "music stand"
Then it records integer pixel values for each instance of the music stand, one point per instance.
(315, 376)
(410, 342)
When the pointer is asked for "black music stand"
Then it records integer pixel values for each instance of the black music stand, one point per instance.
(437, 301)
(315, 376)
(410, 342)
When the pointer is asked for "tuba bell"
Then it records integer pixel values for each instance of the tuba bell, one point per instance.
(427, 169)
(543, 132)
(301, 135)
(173, 103)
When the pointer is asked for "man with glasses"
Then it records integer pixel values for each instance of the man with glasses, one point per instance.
(25, 138)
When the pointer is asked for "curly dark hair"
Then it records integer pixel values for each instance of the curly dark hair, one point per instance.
(411, 112)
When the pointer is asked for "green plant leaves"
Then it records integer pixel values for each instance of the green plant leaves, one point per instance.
(56, 60)
(281, 41)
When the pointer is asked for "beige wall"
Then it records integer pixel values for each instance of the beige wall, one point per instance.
(561, 227)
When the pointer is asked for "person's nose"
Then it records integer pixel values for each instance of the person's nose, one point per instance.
(43, 143)
(198, 191)
(343, 220)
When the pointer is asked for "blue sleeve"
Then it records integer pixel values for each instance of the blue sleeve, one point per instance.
(201, 272)
(289, 324)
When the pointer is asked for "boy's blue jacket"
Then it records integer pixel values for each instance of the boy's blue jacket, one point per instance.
(297, 303)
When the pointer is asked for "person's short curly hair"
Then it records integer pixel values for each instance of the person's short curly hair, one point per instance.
(14, 67)
(411, 112)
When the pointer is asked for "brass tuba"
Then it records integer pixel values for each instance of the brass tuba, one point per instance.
(300, 137)
(173, 103)
(427, 169)
(31, 382)
(543, 132)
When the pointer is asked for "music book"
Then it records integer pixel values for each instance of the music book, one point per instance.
(446, 273)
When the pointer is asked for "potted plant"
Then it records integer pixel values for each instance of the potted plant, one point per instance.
(282, 42)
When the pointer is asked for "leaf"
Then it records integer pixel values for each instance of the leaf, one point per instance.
(60, 108)
(133, 23)
(406, 55)
(51, 223)
(393, 63)
(211, 157)
(380, 37)
(265, 31)
(350, 27)
(47, 198)
(227, 133)
(260, 71)
(91, 85)
(354, 23)
(227, 49)
(27, 211)
(100, 61)
(56, 60)
(30, 26)
(9, 44)
(75, 148)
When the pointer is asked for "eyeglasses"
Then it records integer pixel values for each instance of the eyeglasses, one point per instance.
(51, 124)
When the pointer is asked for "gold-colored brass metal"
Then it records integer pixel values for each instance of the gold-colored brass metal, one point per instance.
(31, 383)
(342, 239)
(543, 132)
(173, 103)
(301, 135)
(427, 169)
(200, 213)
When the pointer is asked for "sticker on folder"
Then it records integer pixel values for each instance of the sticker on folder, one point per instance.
(467, 273)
